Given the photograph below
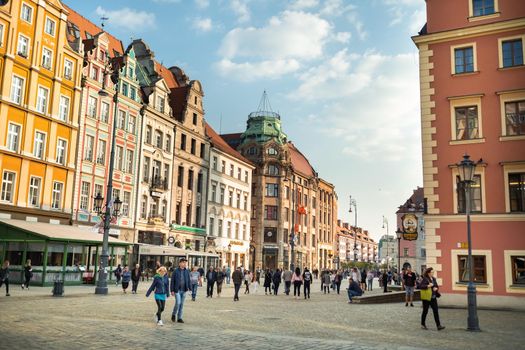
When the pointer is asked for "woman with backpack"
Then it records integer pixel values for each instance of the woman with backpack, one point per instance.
(297, 280)
(160, 285)
(28, 274)
(429, 294)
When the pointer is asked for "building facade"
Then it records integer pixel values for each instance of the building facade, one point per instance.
(388, 251)
(40, 75)
(327, 230)
(473, 101)
(355, 244)
(229, 204)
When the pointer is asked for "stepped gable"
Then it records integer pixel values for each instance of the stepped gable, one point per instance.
(218, 142)
(299, 162)
(81, 27)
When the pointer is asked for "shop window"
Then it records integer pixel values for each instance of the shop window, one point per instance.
(14, 253)
(480, 268)
(518, 270)
(517, 192)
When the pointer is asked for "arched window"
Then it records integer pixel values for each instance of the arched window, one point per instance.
(273, 169)
(252, 151)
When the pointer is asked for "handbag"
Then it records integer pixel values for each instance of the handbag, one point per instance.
(426, 294)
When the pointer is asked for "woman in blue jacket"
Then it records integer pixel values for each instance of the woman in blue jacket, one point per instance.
(162, 291)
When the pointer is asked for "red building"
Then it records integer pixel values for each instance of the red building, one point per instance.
(472, 81)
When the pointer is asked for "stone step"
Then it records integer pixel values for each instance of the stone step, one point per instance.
(391, 297)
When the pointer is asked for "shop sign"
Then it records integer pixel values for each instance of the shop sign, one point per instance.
(410, 223)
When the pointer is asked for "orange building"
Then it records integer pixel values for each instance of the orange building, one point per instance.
(473, 101)
(39, 97)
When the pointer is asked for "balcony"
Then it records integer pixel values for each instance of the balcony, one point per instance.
(158, 183)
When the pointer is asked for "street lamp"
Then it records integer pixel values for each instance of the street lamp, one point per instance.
(115, 64)
(385, 222)
(399, 234)
(353, 202)
(466, 169)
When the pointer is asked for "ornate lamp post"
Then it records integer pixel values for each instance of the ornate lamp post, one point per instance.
(353, 202)
(466, 169)
(385, 222)
(115, 64)
(399, 235)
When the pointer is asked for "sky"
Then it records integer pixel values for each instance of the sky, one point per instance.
(343, 75)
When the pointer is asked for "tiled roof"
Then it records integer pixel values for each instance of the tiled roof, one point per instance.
(88, 29)
(219, 143)
(166, 74)
(234, 140)
(299, 162)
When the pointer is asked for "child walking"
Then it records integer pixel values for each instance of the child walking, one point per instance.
(162, 291)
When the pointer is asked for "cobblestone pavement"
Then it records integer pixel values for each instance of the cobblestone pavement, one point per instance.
(81, 320)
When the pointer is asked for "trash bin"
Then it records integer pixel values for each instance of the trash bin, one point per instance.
(58, 288)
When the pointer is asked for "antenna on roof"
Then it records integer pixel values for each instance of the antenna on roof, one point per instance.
(220, 125)
(103, 19)
(264, 104)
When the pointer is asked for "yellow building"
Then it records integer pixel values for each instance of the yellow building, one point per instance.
(39, 103)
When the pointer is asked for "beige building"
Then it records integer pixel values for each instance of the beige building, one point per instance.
(327, 229)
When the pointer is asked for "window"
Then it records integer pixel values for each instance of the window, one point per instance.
(131, 71)
(88, 150)
(517, 192)
(213, 197)
(26, 13)
(125, 89)
(254, 211)
(211, 227)
(129, 161)
(68, 69)
(483, 7)
(92, 107)
(480, 268)
(94, 73)
(39, 145)
(239, 173)
(17, 86)
(190, 180)
(199, 183)
(237, 231)
(270, 234)
(143, 207)
(8, 184)
(50, 26)
(246, 176)
(131, 124)
(193, 146)
(272, 151)
(230, 198)
(101, 154)
(220, 231)
(515, 117)
(63, 109)
(467, 123)
(121, 122)
(1, 35)
(188, 215)
(464, 60)
(244, 233)
(229, 229)
(245, 202)
(512, 53)
(168, 143)
(183, 142)
(145, 169)
(47, 58)
(126, 200)
(405, 252)
(270, 212)
(132, 93)
(98, 189)
(56, 199)
(222, 195)
(34, 191)
(214, 163)
(252, 151)
(272, 190)
(180, 176)
(119, 153)
(61, 151)
(13, 137)
(156, 169)
(23, 46)
(148, 134)
(273, 170)
(203, 151)
(104, 112)
(194, 120)
(238, 200)
(232, 169)
(475, 195)
(160, 104)
(84, 195)
(223, 167)
(158, 139)
(518, 269)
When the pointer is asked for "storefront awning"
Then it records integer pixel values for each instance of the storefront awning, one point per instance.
(11, 229)
(149, 249)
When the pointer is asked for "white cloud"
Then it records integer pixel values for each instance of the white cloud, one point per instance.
(128, 19)
(167, 1)
(417, 21)
(202, 4)
(303, 4)
(411, 13)
(248, 71)
(343, 37)
(240, 8)
(335, 8)
(203, 24)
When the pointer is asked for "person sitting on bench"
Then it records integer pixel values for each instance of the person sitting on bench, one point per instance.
(354, 290)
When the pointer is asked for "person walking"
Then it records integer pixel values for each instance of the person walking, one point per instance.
(28, 274)
(307, 280)
(221, 275)
(276, 281)
(297, 280)
(237, 281)
(136, 274)
(268, 282)
(247, 280)
(211, 277)
(255, 283)
(353, 290)
(429, 294)
(326, 282)
(363, 280)
(160, 285)
(409, 283)
(338, 280)
(370, 279)
(384, 278)
(287, 278)
(228, 274)
(118, 274)
(195, 281)
(355, 274)
(126, 277)
(4, 277)
(180, 284)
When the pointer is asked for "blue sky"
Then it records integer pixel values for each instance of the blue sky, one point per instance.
(343, 74)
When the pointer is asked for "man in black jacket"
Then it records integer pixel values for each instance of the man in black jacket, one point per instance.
(136, 274)
(211, 277)
(237, 278)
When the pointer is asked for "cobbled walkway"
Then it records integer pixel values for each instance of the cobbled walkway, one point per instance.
(81, 320)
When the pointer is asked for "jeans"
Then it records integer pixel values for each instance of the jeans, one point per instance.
(338, 287)
(287, 285)
(179, 304)
(194, 287)
(209, 288)
(307, 289)
(297, 288)
(6, 281)
(276, 288)
(434, 305)
(227, 279)
(326, 288)
(370, 282)
(353, 293)
(237, 287)
(134, 285)
(219, 288)
(160, 307)
(27, 280)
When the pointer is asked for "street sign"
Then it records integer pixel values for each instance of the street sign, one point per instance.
(462, 245)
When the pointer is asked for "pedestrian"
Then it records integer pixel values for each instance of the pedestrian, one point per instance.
(307, 280)
(4, 277)
(221, 275)
(355, 274)
(211, 277)
(195, 281)
(247, 280)
(338, 280)
(228, 274)
(201, 272)
(276, 281)
(353, 290)
(370, 279)
(237, 281)
(180, 284)
(384, 278)
(409, 283)
(332, 280)
(429, 294)
(287, 278)
(258, 273)
(136, 274)
(118, 273)
(160, 285)
(126, 277)
(326, 282)
(28, 274)
(297, 280)
(363, 280)
(268, 282)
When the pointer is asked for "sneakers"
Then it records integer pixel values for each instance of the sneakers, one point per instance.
(181, 321)
(160, 323)
(441, 328)
(172, 318)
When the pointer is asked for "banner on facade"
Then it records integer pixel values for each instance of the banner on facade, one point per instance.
(409, 223)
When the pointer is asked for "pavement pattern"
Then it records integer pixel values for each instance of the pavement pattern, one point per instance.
(81, 320)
